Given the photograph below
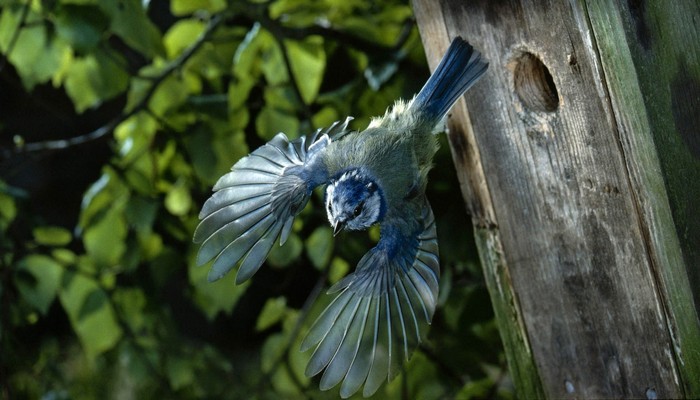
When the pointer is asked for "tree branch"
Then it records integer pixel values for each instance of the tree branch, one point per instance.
(51, 145)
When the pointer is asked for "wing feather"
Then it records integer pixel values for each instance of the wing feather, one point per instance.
(381, 311)
(255, 204)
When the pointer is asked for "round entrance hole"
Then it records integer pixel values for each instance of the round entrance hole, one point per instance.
(534, 84)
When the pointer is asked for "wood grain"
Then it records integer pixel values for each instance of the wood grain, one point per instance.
(575, 231)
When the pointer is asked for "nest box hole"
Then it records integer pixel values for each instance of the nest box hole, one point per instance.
(534, 84)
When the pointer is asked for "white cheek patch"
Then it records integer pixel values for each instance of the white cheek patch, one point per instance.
(373, 206)
(330, 207)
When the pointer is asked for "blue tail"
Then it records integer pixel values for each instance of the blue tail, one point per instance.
(459, 69)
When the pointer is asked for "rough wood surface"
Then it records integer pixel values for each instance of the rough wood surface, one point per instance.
(582, 258)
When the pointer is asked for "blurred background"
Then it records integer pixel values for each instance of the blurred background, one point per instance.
(116, 119)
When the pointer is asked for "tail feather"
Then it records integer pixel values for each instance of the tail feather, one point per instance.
(458, 70)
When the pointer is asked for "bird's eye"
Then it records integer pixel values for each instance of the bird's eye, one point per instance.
(358, 209)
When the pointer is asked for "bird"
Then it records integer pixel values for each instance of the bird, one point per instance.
(382, 310)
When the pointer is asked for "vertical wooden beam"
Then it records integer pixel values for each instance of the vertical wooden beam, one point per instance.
(582, 258)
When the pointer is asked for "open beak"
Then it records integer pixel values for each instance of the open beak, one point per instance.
(339, 226)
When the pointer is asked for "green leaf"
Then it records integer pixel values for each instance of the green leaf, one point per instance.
(271, 121)
(131, 302)
(181, 35)
(8, 211)
(273, 65)
(325, 117)
(95, 78)
(95, 323)
(135, 136)
(64, 256)
(475, 389)
(35, 56)
(215, 297)
(272, 312)
(281, 98)
(178, 200)
(339, 268)
(246, 59)
(298, 360)
(284, 384)
(180, 372)
(82, 26)
(319, 246)
(41, 287)
(130, 22)
(141, 213)
(185, 7)
(170, 94)
(52, 236)
(272, 350)
(308, 62)
(281, 256)
(104, 240)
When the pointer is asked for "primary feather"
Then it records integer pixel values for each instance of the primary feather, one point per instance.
(377, 176)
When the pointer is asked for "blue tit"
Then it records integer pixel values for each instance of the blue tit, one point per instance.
(382, 310)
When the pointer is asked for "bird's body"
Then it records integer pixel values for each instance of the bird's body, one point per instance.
(374, 176)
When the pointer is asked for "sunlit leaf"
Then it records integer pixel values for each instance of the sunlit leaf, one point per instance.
(184, 7)
(238, 92)
(41, 287)
(52, 235)
(35, 56)
(95, 78)
(308, 61)
(273, 65)
(325, 117)
(170, 95)
(178, 200)
(246, 59)
(181, 35)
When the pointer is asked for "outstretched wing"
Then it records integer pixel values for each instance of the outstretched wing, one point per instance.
(382, 312)
(256, 202)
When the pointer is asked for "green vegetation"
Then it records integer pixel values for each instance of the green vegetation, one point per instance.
(148, 104)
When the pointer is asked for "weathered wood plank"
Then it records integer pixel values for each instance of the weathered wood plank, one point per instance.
(572, 254)
(645, 52)
(475, 192)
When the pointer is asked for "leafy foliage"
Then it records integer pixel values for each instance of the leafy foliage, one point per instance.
(107, 300)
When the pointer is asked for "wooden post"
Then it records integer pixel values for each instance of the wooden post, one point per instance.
(579, 161)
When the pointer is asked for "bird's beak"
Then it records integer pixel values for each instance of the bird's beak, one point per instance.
(339, 226)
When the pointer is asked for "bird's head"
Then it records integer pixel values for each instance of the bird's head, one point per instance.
(354, 201)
